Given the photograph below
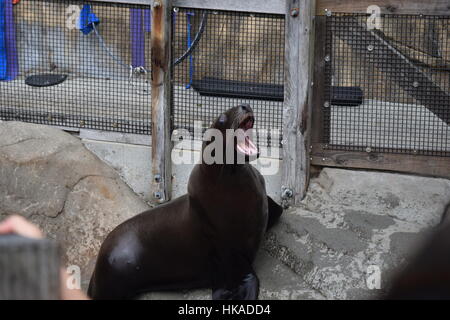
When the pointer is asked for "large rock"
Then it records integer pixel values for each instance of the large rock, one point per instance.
(48, 176)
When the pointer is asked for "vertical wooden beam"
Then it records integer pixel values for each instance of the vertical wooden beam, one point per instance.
(161, 100)
(299, 51)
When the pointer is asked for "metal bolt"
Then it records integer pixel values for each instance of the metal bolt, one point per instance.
(295, 12)
(415, 84)
(157, 195)
(327, 58)
(328, 13)
(157, 178)
(326, 104)
(287, 193)
(368, 149)
(370, 47)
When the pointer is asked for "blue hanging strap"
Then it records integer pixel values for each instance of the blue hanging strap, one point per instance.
(189, 44)
(87, 19)
(86, 23)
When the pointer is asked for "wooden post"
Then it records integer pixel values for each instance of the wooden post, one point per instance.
(299, 51)
(29, 269)
(161, 100)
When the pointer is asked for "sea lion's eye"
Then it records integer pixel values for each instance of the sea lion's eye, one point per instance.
(245, 107)
(222, 119)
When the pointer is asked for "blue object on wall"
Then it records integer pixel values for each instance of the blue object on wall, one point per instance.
(148, 20)
(3, 59)
(12, 63)
(140, 22)
(87, 19)
(137, 38)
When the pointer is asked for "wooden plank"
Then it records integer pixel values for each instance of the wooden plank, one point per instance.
(116, 137)
(395, 66)
(29, 269)
(436, 7)
(161, 101)
(69, 122)
(417, 164)
(257, 6)
(299, 49)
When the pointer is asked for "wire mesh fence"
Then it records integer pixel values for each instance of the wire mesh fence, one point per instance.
(78, 64)
(234, 58)
(387, 89)
(87, 65)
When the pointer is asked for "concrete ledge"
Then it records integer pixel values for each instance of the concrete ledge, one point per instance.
(133, 163)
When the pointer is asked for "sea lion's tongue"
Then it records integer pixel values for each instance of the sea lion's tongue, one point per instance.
(246, 146)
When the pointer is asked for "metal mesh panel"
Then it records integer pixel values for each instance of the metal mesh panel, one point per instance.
(238, 59)
(98, 92)
(387, 90)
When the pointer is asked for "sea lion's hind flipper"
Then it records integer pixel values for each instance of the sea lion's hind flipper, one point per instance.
(275, 211)
(247, 289)
(233, 277)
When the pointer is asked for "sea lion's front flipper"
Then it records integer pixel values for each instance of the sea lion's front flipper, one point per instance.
(275, 211)
(233, 278)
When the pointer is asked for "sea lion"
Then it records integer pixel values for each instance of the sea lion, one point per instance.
(206, 238)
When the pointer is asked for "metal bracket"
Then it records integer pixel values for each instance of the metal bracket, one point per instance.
(287, 193)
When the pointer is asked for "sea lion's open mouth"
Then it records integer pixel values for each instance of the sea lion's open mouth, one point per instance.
(245, 144)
